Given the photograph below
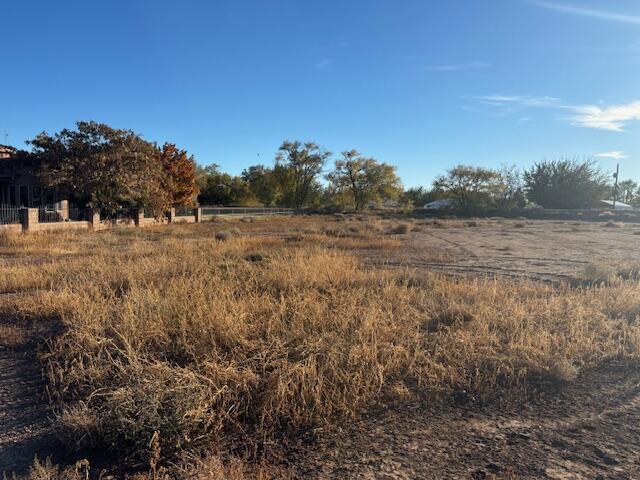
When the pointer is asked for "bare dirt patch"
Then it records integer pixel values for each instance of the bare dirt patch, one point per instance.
(25, 417)
(540, 250)
(586, 430)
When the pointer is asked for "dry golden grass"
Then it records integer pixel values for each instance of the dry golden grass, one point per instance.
(201, 340)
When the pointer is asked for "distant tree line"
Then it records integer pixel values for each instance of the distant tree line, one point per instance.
(295, 180)
(95, 164)
(554, 184)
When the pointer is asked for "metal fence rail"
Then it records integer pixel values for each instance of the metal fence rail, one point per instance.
(9, 215)
(121, 214)
(184, 212)
(209, 210)
(77, 214)
(49, 215)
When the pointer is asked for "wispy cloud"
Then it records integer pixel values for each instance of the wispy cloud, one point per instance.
(587, 12)
(458, 66)
(323, 63)
(517, 101)
(614, 117)
(614, 154)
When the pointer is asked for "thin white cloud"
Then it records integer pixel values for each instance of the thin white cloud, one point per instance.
(614, 117)
(523, 120)
(614, 154)
(517, 101)
(323, 64)
(458, 66)
(587, 12)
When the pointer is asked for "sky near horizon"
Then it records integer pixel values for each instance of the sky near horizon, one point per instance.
(421, 84)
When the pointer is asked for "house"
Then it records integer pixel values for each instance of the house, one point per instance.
(19, 185)
(441, 204)
(615, 206)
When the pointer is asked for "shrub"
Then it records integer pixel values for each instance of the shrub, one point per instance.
(222, 236)
(402, 228)
(611, 224)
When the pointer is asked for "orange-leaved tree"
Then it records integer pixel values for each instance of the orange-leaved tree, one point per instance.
(180, 180)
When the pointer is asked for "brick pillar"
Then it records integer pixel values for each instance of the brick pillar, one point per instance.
(63, 210)
(93, 217)
(198, 214)
(172, 215)
(29, 219)
(138, 216)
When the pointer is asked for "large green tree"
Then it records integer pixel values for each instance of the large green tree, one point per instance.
(109, 168)
(219, 188)
(296, 170)
(364, 179)
(472, 187)
(565, 183)
(263, 184)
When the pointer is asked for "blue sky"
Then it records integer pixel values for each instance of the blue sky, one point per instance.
(422, 84)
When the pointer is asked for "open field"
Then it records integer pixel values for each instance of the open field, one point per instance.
(343, 346)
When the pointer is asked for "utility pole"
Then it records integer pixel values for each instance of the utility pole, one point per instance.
(615, 188)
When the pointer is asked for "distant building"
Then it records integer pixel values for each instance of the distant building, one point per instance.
(7, 151)
(19, 185)
(618, 205)
(441, 204)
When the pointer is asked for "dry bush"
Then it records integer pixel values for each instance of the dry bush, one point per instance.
(402, 228)
(612, 224)
(11, 336)
(223, 236)
(519, 225)
(48, 471)
(610, 273)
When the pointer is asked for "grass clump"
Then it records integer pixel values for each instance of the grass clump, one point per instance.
(402, 228)
(612, 224)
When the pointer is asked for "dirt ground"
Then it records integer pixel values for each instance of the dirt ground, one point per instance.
(539, 250)
(587, 429)
(25, 419)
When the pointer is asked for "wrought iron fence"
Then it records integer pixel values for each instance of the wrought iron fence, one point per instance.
(9, 215)
(120, 215)
(149, 213)
(184, 211)
(48, 214)
(77, 214)
(209, 210)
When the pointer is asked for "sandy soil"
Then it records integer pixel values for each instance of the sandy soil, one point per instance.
(539, 250)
